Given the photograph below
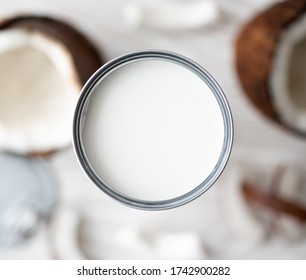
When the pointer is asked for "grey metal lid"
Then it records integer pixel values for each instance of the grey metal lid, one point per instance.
(27, 196)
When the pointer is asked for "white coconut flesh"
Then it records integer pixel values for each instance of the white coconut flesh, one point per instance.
(288, 76)
(38, 92)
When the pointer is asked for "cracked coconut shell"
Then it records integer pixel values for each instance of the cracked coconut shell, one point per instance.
(271, 63)
(44, 63)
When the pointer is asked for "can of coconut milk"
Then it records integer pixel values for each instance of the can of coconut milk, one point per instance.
(152, 129)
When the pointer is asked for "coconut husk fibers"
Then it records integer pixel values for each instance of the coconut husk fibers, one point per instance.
(256, 47)
(85, 56)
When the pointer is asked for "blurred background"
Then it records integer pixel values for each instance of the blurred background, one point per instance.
(78, 221)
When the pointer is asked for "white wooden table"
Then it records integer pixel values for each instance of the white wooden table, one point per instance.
(258, 143)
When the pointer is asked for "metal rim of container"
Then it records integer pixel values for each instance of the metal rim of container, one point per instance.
(111, 66)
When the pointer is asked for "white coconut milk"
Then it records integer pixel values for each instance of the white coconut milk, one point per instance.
(153, 130)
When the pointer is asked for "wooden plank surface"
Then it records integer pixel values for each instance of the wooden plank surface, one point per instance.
(258, 143)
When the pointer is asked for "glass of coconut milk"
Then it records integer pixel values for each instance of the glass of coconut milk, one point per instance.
(152, 129)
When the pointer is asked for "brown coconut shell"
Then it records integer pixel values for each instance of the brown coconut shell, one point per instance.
(255, 51)
(272, 202)
(85, 56)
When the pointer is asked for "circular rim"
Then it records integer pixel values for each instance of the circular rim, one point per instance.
(185, 62)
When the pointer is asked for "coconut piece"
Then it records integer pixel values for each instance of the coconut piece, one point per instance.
(133, 242)
(270, 61)
(274, 203)
(171, 15)
(289, 188)
(240, 217)
(43, 65)
(186, 245)
(289, 213)
(63, 234)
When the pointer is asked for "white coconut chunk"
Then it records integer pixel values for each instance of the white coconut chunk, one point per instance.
(38, 92)
(288, 76)
(64, 230)
(179, 246)
(171, 15)
(131, 241)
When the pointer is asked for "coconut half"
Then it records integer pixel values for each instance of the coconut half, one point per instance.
(271, 63)
(43, 65)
